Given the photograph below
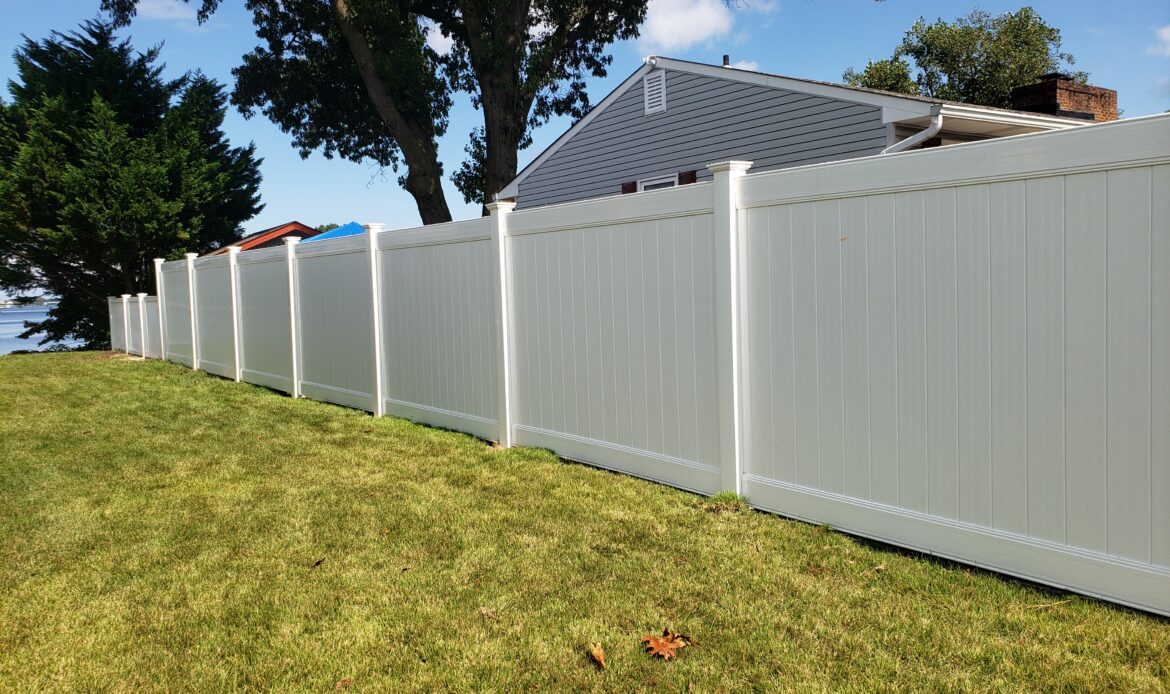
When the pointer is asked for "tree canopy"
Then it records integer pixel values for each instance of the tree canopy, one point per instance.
(105, 165)
(357, 78)
(978, 58)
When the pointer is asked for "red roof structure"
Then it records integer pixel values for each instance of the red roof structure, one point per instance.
(270, 237)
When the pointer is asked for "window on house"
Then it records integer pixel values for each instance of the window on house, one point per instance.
(654, 91)
(658, 182)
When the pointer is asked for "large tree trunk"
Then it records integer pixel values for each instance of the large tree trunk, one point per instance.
(496, 41)
(502, 136)
(424, 179)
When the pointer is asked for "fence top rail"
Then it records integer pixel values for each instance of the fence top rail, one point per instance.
(682, 201)
(260, 255)
(450, 232)
(344, 244)
(174, 266)
(1132, 142)
(212, 261)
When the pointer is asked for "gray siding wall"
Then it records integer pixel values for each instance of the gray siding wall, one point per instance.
(707, 120)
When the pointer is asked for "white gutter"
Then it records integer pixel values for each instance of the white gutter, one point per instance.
(936, 122)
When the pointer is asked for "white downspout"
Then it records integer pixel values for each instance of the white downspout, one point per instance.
(936, 122)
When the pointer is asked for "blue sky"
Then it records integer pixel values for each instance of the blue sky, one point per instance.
(1124, 46)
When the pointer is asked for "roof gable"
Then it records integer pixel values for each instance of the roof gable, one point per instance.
(707, 119)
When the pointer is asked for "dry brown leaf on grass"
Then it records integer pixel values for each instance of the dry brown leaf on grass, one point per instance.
(598, 655)
(343, 683)
(667, 645)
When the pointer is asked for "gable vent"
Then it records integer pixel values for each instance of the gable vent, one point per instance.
(654, 91)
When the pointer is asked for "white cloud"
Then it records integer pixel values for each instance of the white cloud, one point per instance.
(675, 25)
(166, 10)
(1163, 46)
(746, 65)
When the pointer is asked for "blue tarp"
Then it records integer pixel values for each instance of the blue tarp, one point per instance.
(351, 229)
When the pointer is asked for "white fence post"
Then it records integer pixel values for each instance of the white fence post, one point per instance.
(502, 305)
(162, 316)
(372, 231)
(234, 281)
(290, 256)
(142, 322)
(126, 323)
(191, 305)
(728, 252)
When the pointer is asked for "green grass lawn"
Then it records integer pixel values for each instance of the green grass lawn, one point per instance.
(161, 529)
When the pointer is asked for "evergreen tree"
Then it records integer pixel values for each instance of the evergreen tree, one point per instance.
(105, 166)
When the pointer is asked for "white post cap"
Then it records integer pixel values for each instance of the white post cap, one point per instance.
(734, 165)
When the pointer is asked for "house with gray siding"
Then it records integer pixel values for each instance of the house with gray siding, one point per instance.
(670, 118)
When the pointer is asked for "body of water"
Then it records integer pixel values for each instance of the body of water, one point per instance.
(12, 324)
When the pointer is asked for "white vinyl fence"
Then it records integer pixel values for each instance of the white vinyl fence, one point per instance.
(964, 350)
(135, 325)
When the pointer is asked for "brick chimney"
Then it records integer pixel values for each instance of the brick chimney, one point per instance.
(1057, 95)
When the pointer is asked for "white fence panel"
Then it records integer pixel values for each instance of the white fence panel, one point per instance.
(154, 346)
(980, 371)
(117, 324)
(337, 339)
(615, 348)
(177, 313)
(213, 315)
(438, 326)
(265, 330)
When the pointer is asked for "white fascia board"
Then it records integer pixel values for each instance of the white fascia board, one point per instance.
(512, 190)
(897, 114)
(1037, 121)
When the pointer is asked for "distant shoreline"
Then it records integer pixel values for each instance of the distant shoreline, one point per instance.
(12, 320)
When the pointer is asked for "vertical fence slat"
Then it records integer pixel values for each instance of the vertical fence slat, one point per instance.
(372, 231)
(142, 322)
(234, 280)
(162, 315)
(126, 323)
(290, 258)
(502, 308)
(728, 258)
(191, 306)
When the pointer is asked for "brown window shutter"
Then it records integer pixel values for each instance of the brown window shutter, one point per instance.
(631, 187)
(685, 177)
